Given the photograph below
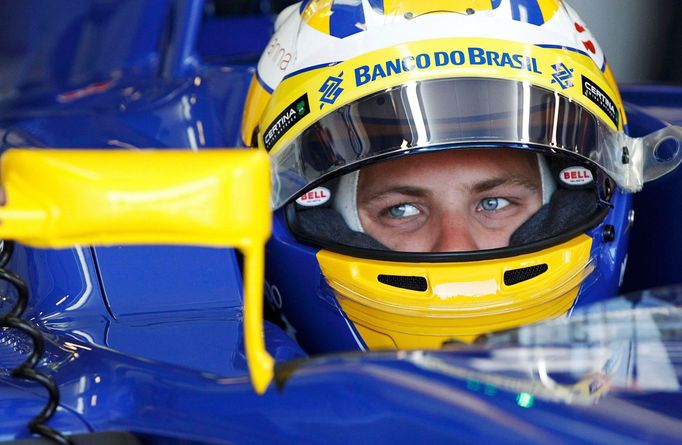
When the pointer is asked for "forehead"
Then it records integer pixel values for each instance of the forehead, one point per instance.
(461, 163)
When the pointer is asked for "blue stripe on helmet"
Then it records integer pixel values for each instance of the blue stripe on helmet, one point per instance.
(346, 19)
(377, 5)
(527, 11)
(262, 83)
(310, 68)
(304, 4)
(567, 48)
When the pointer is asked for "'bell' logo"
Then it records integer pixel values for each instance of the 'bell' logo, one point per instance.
(314, 197)
(576, 176)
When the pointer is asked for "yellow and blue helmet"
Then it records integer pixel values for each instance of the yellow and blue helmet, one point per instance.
(375, 114)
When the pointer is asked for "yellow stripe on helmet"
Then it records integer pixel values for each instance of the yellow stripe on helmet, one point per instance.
(419, 7)
(549, 8)
(611, 82)
(317, 14)
(256, 100)
(441, 58)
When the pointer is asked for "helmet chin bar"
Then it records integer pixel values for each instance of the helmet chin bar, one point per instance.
(457, 301)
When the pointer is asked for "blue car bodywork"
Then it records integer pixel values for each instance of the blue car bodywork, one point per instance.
(148, 340)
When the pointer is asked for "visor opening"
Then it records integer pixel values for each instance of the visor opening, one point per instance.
(517, 276)
(418, 284)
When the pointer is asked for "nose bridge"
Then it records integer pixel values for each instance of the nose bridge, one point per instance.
(456, 234)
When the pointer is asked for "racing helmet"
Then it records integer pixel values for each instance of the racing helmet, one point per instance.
(376, 112)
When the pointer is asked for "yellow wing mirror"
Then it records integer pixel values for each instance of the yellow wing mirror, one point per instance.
(61, 198)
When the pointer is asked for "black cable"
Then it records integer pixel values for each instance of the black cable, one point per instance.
(26, 370)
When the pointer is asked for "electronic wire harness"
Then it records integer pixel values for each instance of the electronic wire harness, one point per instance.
(26, 370)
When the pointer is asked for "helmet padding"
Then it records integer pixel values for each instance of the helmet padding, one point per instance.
(324, 223)
(566, 210)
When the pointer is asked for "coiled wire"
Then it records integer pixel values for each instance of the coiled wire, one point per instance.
(27, 369)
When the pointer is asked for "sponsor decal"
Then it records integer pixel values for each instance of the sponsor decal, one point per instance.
(588, 44)
(314, 197)
(576, 176)
(278, 54)
(592, 91)
(424, 61)
(563, 75)
(331, 90)
(296, 111)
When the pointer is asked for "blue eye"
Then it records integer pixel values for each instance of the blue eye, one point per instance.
(493, 204)
(403, 211)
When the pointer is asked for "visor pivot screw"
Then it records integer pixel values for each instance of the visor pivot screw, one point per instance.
(609, 233)
(409, 15)
(626, 156)
(471, 11)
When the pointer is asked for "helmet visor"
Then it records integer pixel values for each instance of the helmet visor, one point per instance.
(460, 112)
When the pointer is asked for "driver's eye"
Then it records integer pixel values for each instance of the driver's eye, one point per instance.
(492, 204)
(403, 211)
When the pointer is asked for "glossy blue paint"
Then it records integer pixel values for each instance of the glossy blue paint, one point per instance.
(143, 280)
(18, 406)
(609, 258)
(192, 319)
(221, 41)
(188, 113)
(48, 46)
(179, 58)
(466, 396)
(657, 101)
(63, 286)
(315, 309)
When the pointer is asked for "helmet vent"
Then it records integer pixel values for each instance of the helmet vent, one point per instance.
(404, 282)
(517, 276)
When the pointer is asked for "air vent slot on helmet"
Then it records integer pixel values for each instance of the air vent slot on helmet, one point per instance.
(404, 282)
(517, 276)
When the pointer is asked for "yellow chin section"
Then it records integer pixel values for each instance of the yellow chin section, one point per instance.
(425, 305)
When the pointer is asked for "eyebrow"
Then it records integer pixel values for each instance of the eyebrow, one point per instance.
(489, 184)
(400, 189)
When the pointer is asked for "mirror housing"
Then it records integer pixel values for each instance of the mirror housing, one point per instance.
(219, 198)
